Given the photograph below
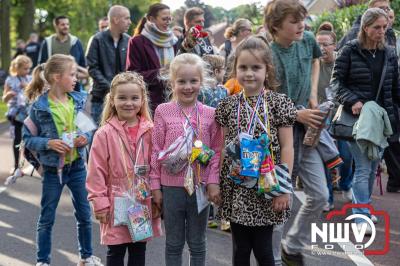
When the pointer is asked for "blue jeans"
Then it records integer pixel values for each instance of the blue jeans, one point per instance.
(183, 222)
(346, 170)
(364, 177)
(96, 111)
(74, 176)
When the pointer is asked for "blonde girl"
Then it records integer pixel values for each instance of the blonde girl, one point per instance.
(13, 95)
(50, 131)
(120, 147)
(251, 215)
(175, 191)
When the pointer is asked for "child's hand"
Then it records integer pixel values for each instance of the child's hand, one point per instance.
(80, 141)
(59, 146)
(281, 203)
(102, 217)
(157, 198)
(311, 118)
(213, 193)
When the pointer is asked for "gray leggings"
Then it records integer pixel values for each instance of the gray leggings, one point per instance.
(183, 223)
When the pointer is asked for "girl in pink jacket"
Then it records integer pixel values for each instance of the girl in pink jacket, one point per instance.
(118, 170)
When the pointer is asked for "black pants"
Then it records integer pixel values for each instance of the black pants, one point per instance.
(248, 238)
(392, 159)
(136, 254)
(17, 140)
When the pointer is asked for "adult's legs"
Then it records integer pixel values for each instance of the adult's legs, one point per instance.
(392, 159)
(346, 169)
(364, 176)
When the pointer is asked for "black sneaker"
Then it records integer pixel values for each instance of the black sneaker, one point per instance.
(392, 189)
(292, 259)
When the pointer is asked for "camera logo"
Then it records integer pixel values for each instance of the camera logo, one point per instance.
(331, 233)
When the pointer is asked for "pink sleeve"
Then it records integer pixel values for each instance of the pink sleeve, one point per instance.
(216, 138)
(97, 176)
(158, 139)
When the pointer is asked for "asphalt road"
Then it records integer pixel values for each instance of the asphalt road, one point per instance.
(19, 209)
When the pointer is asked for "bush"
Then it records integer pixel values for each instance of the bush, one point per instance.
(342, 19)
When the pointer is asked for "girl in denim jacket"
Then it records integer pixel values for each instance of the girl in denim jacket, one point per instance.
(119, 160)
(50, 131)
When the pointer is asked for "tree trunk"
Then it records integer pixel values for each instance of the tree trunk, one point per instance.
(25, 22)
(5, 34)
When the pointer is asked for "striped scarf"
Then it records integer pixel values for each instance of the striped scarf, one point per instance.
(163, 42)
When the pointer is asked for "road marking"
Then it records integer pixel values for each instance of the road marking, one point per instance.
(355, 255)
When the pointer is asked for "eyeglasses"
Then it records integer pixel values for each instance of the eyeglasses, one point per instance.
(325, 44)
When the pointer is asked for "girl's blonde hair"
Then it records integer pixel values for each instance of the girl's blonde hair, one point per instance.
(238, 25)
(367, 19)
(125, 78)
(258, 44)
(57, 64)
(18, 62)
(188, 59)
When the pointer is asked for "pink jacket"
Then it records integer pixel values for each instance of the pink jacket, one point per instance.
(168, 126)
(106, 173)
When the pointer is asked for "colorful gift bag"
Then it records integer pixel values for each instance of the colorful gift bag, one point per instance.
(284, 180)
(139, 222)
(121, 206)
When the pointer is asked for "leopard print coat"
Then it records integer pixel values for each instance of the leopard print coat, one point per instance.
(239, 204)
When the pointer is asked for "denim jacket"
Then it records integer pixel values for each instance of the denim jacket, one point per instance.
(41, 118)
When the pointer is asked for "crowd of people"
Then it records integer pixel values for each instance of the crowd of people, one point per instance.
(182, 124)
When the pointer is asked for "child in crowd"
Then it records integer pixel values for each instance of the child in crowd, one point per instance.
(212, 95)
(178, 183)
(50, 131)
(13, 95)
(120, 147)
(296, 60)
(251, 215)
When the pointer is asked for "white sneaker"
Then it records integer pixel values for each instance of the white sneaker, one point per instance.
(368, 231)
(42, 264)
(91, 261)
(374, 219)
(348, 195)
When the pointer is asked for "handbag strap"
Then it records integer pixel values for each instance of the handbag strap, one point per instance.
(382, 79)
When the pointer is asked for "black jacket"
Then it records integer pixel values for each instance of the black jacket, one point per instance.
(353, 75)
(101, 59)
(353, 33)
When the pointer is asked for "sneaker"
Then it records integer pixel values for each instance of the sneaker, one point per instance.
(225, 226)
(42, 264)
(374, 219)
(328, 207)
(91, 261)
(368, 231)
(292, 259)
(347, 195)
(212, 224)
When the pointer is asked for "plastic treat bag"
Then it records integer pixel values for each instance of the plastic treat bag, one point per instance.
(312, 135)
(251, 154)
(175, 158)
(139, 222)
(121, 206)
(201, 152)
(188, 182)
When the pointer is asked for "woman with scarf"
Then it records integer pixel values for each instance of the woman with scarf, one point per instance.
(151, 48)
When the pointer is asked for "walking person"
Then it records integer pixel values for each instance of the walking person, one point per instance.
(50, 131)
(366, 71)
(106, 56)
(151, 49)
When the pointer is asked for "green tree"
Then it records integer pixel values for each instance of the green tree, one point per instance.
(5, 33)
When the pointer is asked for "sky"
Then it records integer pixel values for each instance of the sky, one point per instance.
(227, 4)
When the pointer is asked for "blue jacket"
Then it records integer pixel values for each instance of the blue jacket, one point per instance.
(45, 129)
